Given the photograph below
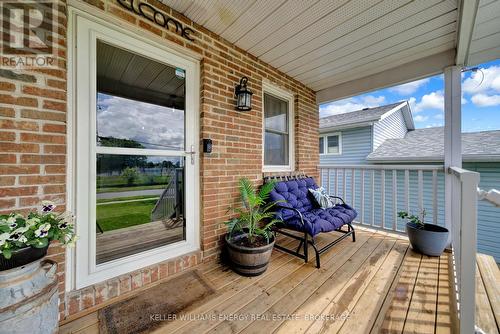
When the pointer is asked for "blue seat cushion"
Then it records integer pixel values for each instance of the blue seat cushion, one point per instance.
(322, 220)
(295, 194)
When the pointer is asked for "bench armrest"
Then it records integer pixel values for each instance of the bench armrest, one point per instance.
(292, 209)
(337, 197)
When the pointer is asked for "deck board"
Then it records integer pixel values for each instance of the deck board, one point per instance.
(376, 285)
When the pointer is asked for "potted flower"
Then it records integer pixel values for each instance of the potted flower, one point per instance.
(250, 239)
(28, 282)
(428, 239)
(24, 239)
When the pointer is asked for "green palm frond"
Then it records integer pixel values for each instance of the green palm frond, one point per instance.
(256, 217)
(266, 189)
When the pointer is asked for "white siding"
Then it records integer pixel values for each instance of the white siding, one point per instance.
(393, 126)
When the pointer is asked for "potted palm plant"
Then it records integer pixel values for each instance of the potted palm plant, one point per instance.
(428, 239)
(250, 239)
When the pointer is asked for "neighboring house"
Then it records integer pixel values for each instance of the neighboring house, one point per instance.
(349, 138)
(387, 135)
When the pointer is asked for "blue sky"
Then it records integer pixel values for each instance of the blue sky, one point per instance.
(480, 100)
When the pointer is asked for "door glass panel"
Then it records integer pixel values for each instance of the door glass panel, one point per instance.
(139, 204)
(139, 198)
(140, 102)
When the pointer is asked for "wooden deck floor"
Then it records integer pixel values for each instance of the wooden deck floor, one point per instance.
(375, 285)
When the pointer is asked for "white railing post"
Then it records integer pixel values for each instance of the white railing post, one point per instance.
(452, 136)
(464, 231)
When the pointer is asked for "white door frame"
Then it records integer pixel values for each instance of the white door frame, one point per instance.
(84, 30)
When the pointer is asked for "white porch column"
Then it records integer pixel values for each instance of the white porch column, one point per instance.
(452, 137)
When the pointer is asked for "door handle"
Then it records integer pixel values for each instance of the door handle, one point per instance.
(191, 153)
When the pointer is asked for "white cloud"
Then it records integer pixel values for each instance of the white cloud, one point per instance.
(476, 83)
(434, 101)
(351, 104)
(420, 118)
(409, 88)
(143, 122)
(439, 116)
(483, 100)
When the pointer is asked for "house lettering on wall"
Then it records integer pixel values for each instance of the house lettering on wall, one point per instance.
(154, 15)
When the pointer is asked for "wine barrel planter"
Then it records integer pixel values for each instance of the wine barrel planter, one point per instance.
(248, 261)
(29, 298)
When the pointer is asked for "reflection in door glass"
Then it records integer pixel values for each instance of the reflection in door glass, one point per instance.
(139, 204)
(139, 197)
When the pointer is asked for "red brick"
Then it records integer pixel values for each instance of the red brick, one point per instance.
(7, 136)
(17, 191)
(18, 125)
(7, 112)
(136, 280)
(19, 169)
(41, 179)
(54, 189)
(44, 115)
(7, 86)
(43, 159)
(59, 128)
(21, 101)
(101, 293)
(56, 149)
(74, 304)
(19, 148)
(50, 93)
(7, 203)
(125, 284)
(38, 138)
(7, 181)
(55, 169)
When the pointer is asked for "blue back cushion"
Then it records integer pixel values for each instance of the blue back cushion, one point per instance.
(296, 195)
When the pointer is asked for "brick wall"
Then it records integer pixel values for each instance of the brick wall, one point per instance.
(33, 143)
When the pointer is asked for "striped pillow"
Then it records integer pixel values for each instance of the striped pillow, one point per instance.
(322, 198)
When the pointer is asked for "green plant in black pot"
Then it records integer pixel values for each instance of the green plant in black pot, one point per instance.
(25, 238)
(250, 239)
(428, 239)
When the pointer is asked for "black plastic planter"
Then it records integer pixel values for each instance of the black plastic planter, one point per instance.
(430, 240)
(22, 257)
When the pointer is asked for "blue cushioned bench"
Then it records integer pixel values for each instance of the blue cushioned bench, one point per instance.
(299, 212)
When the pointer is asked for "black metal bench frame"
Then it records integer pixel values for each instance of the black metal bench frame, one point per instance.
(306, 239)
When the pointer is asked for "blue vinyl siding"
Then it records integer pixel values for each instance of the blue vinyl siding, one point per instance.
(356, 145)
(488, 231)
(393, 126)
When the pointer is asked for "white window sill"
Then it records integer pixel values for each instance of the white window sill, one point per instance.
(277, 169)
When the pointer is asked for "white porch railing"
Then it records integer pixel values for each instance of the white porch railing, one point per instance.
(379, 192)
(464, 238)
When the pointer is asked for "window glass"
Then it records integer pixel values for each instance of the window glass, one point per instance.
(139, 197)
(321, 145)
(140, 102)
(333, 144)
(276, 139)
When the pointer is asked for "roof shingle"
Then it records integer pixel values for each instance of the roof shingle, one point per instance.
(428, 145)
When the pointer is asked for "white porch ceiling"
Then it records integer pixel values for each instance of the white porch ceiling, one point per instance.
(485, 42)
(349, 46)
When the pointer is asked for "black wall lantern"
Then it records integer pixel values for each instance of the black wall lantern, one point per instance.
(243, 96)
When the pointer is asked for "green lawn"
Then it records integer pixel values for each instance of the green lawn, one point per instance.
(133, 188)
(121, 199)
(121, 215)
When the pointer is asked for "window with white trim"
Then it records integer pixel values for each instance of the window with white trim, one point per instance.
(330, 144)
(278, 129)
